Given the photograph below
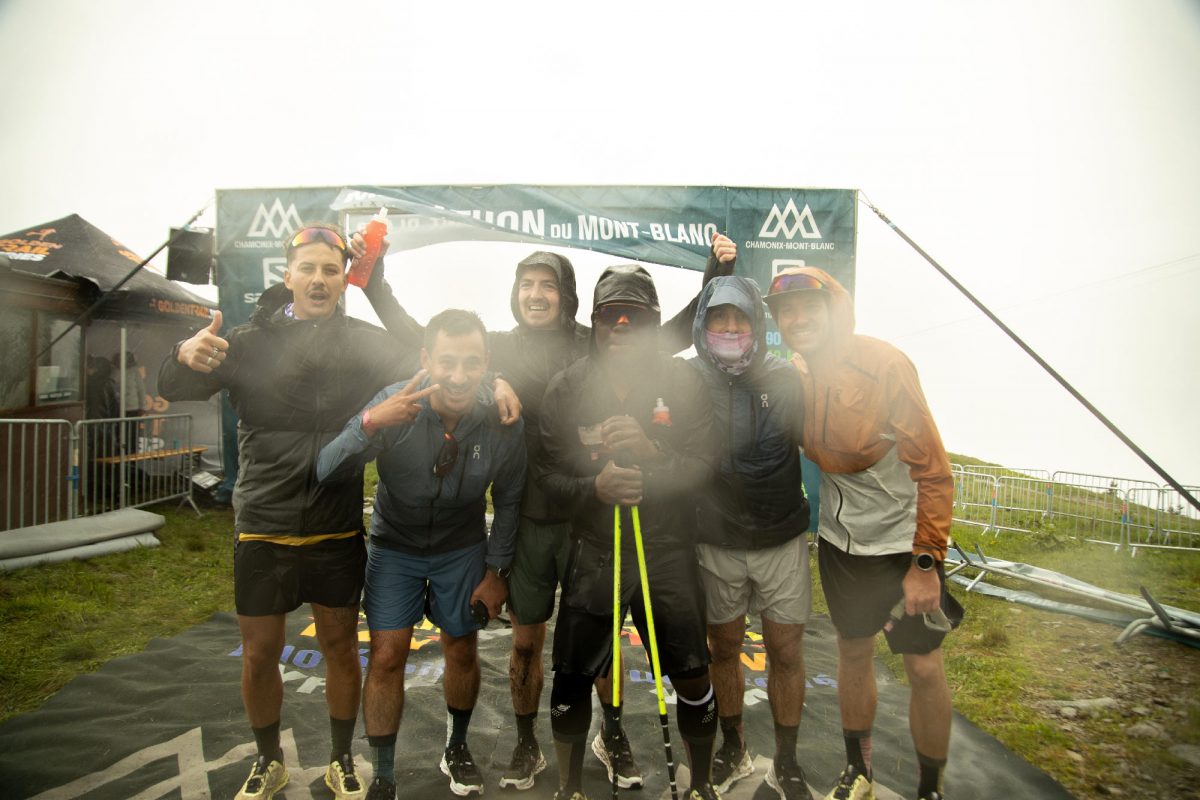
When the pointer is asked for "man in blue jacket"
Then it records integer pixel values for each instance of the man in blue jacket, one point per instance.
(751, 544)
(440, 444)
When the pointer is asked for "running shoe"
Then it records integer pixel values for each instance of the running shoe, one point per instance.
(460, 767)
(614, 754)
(266, 778)
(787, 779)
(852, 785)
(381, 789)
(527, 762)
(566, 794)
(342, 780)
(730, 764)
(703, 792)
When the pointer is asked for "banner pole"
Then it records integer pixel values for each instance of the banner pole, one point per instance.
(1033, 354)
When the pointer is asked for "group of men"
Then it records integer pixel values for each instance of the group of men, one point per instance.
(573, 430)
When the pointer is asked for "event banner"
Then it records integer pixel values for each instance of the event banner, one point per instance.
(672, 225)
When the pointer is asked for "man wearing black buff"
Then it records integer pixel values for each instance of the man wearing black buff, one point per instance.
(628, 426)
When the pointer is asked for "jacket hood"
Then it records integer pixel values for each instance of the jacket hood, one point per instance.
(733, 290)
(841, 308)
(568, 294)
(626, 283)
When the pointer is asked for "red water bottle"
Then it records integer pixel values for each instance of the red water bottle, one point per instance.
(360, 267)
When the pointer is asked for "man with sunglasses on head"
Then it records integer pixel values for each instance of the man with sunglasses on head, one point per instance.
(886, 505)
(439, 444)
(546, 340)
(295, 373)
(628, 426)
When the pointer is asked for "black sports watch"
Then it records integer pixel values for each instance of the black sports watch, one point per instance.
(500, 572)
(924, 561)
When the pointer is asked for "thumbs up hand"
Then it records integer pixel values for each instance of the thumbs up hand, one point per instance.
(205, 351)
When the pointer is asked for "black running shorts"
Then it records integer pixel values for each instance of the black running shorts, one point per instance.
(862, 590)
(583, 628)
(271, 578)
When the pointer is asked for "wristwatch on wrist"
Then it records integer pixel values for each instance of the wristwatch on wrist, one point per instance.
(924, 561)
(500, 572)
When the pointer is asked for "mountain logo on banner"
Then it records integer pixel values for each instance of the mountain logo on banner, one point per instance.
(274, 223)
(790, 222)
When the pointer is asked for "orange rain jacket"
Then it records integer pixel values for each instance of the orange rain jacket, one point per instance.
(886, 484)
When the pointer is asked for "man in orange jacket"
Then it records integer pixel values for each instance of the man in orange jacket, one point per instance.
(886, 504)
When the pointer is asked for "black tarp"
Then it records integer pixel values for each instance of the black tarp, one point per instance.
(168, 723)
(74, 248)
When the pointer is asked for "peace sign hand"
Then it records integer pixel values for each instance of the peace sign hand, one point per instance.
(402, 407)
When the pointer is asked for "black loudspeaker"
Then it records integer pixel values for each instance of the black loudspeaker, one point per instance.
(190, 256)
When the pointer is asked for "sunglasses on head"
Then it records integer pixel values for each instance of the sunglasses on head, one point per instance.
(794, 283)
(447, 456)
(317, 235)
(613, 315)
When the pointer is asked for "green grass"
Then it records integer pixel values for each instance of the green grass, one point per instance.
(61, 620)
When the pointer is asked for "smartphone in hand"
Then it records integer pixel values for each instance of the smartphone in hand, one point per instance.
(479, 611)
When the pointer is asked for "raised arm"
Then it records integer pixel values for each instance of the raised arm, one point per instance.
(392, 315)
(373, 430)
(675, 335)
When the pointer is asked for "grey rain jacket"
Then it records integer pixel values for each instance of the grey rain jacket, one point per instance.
(758, 499)
(293, 384)
(417, 512)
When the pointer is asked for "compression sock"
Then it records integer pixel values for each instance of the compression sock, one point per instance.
(930, 775)
(383, 756)
(457, 722)
(570, 718)
(266, 739)
(697, 721)
(612, 719)
(525, 726)
(733, 729)
(858, 749)
(785, 742)
(341, 734)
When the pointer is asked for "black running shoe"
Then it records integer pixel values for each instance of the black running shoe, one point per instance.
(787, 779)
(460, 767)
(615, 755)
(381, 789)
(730, 764)
(527, 762)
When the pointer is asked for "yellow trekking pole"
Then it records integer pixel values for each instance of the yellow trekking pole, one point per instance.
(658, 687)
(618, 621)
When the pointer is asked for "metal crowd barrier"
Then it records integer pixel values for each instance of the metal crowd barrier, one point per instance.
(1118, 512)
(36, 455)
(136, 461)
(55, 471)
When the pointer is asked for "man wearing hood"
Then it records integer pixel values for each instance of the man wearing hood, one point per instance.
(752, 546)
(295, 373)
(628, 426)
(546, 340)
(886, 505)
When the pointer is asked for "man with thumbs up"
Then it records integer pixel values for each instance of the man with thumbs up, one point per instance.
(295, 373)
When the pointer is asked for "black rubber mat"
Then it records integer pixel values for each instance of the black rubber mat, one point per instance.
(168, 723)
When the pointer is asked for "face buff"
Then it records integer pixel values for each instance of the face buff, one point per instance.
(730, 351)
